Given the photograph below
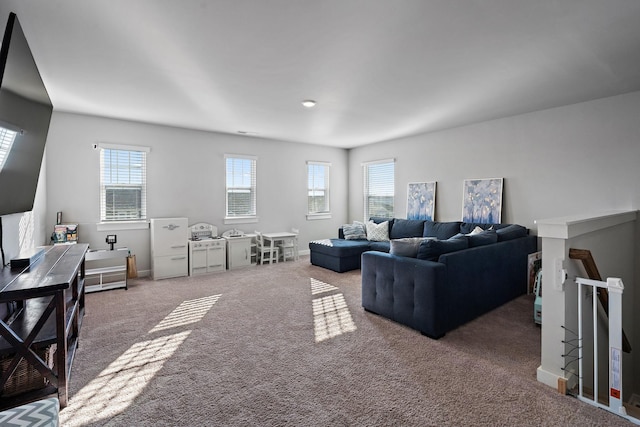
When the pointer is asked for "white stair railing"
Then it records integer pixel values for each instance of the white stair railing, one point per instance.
(615, 289)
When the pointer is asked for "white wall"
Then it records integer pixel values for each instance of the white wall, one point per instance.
(556, 162)
(185, 177)
(29, 229)
(577, 159)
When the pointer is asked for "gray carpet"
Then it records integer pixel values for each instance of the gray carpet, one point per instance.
(289, 344)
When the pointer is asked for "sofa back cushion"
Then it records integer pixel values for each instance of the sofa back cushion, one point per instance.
(510, 232)
(380, 246)
(441, 230)
(485, 237)
(432, 249)
(403, 228)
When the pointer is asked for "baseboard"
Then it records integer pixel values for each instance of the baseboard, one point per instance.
(547, 377)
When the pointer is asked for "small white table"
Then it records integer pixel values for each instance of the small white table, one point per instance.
(118, 257)
(280, 236)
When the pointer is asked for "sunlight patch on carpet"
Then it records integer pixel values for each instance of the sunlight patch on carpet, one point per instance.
(318, 287)
(186, 313)
(331, 317)
(116, 387)
(125, 379)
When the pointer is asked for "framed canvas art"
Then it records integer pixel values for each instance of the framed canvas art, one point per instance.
(421, 200)
(482, 200)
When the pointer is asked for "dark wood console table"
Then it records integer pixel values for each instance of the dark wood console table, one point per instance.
(49, 296)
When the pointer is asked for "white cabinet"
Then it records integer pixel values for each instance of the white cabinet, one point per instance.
(207, 256)
(169, 252)
(107, 268)
(239, 251)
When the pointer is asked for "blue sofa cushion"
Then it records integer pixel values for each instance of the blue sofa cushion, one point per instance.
(355, 231)
(339, 247)
(403, 228)
(441, 230)
(511, 232)
(485, 237)
(431, 249)
(380, 246)
(407, 246)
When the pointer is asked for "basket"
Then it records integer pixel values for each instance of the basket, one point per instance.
(26, 377)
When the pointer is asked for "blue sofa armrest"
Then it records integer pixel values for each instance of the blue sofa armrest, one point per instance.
(406, 290)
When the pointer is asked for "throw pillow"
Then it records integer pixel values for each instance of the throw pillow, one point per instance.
(407, 246)
(475, 231)
(378, 232)
(355, 231)
(486, 237)
(432, 249)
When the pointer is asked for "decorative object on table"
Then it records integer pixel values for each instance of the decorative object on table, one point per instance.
(111, 239)
(482, 200)
(534, 263)
(65, 233)
(421, 200)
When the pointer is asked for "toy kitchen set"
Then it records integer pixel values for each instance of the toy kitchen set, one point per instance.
(207, 251)
(180, 250)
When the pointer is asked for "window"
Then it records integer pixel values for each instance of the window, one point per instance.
(6, 141)
(123, 184)
(241, 186)
(318, 188)
(379, 189)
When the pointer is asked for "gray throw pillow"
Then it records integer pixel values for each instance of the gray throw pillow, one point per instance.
(407, 246)
(355, 231)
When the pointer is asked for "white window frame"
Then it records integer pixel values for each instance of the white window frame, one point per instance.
(383, 189)
(314, 185)
(252, 217)
(107, 224)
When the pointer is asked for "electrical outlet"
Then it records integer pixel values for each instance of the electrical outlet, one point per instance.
(560, 274)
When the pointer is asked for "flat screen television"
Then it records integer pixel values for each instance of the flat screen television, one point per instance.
(25, 114)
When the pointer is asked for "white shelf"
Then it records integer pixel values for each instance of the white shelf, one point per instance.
(119, 270)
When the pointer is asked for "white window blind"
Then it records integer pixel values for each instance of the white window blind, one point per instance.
(318, 187)
(6, 141)
(240, 186)
(123, 184)
(379, 187)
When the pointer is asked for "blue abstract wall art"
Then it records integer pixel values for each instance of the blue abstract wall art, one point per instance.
(421, 200)
(482, 200)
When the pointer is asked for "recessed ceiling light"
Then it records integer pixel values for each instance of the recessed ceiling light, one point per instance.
(309, 103)
(246, 132)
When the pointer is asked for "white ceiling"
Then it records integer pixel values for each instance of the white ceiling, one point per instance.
(379, 69)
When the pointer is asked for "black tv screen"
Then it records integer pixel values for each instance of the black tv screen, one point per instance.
(25, 114)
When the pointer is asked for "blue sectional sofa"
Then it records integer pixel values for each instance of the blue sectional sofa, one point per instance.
(435, 282)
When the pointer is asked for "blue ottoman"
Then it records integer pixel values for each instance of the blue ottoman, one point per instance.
(338, 255)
